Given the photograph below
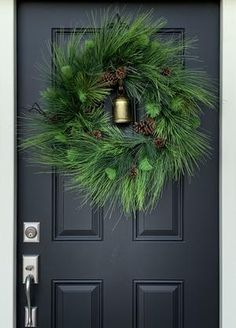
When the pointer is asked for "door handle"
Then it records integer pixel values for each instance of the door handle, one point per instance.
(29, 279)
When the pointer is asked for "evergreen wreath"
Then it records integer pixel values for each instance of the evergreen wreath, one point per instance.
(75, 134)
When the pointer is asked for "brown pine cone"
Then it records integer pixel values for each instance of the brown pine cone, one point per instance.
(133, 171)
(166, 71)
(89, 109)
(97, 134)
(121, 72)
(159, 142)
(54, 118)
(145, 127)
(109, 78)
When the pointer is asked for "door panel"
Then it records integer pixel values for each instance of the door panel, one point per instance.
(166, 221)
(158, 304)
(99, 269)
(77, 302)
(70, 220)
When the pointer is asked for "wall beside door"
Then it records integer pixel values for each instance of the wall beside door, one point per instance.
(7, 148)
(228, 164)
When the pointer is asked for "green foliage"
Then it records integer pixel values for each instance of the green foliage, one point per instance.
(67, 71)
(144, 165)
(177, 103)
(89, 44)
(153, 109)
(75, 134)
(111, 173)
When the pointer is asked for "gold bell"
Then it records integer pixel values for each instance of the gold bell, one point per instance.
(121, 108)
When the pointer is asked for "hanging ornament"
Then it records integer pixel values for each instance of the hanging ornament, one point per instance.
(121, 108)
(74, 131)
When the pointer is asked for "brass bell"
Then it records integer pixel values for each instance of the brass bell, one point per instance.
(121, 108)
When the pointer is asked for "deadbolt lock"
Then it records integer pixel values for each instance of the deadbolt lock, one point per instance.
(31, 232)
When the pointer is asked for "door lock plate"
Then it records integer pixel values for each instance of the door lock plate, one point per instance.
(31, 232)
(30, 266)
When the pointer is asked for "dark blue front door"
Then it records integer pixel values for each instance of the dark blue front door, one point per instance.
(95, 271)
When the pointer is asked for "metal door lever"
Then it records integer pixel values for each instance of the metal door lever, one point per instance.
(28, 280)
(30, 312)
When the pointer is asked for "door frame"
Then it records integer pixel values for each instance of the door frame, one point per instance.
(227, 197)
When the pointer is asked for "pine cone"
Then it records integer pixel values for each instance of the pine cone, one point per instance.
(121, 72)
(133, 171)
(89, 110)
(166, 71)
(159, 142)
(109, 78)
(145, 127)
(54, 118)
(97, 134)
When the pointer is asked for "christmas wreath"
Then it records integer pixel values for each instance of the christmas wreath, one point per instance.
(124, 62)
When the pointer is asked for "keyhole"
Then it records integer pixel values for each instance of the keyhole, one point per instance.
(31, 232)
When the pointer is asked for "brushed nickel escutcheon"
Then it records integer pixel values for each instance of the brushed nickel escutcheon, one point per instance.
(31, 232)
(30, 266)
